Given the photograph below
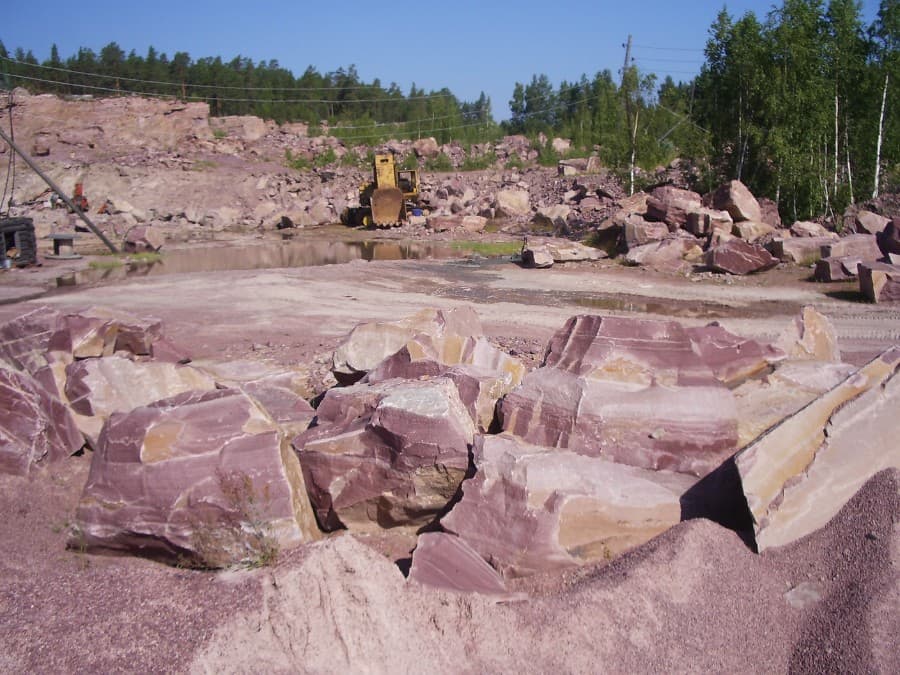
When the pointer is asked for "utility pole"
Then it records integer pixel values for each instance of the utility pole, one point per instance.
(627, 60)
(632, 127)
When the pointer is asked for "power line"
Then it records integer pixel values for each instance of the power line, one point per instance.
(669, 49)
(207, 86)
(191, 97)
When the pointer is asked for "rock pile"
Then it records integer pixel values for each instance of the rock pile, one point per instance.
(626, 427)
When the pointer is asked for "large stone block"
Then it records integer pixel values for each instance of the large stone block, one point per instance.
(880, 282)
(204, 477)
(737, 256)
(530, 509)
(737, 199)
(36, 428)
(482, 373)
(862, 246)
(800, 473)
(386, 455)
(633, 391)
(24, 339)
(370, 343)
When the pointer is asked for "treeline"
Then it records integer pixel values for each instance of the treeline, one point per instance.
(360, 112)
(801, 106)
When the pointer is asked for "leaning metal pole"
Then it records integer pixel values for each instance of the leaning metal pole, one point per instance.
(58, 191)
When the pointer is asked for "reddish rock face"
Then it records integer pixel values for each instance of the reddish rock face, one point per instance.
(482, 373)
(732, 358)
(369, 344)
(837, 268)
(35, 427)
(736, 256)
(735, 198)
(889, 238)
(204, 477)
(24, 340)
(770, 213)
(671, 206)
(862, 246)
(632, 391)
(667, 255)
(629, 350)
(880, 282)
(870, 223)
(639, 232)
(532, 509)
(386, 455)
(800, 250)
(445, 561)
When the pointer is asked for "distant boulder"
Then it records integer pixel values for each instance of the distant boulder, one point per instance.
(737, 199)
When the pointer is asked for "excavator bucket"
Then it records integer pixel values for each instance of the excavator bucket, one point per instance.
(387, 206)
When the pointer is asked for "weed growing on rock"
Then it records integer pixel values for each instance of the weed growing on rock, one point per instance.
(241, 534)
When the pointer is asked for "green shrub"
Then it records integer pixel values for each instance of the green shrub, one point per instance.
(478, 163)
(438, 164)
(325, 158)
(299, 163)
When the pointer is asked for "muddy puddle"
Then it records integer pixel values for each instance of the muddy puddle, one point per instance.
(260, 256)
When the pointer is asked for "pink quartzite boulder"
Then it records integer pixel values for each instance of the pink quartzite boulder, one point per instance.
(628, 390)
(799, 250)
(370, 343)
(35, 427)
(889, 238)
(836, 268)
(770, 213)
(445, 561)
(532, 509)
(204, 477)
(671, 205)
(862, 246)
(386, 455)
(880, 282)
(799, 474)
(639, 232)
(704, 221)
(24, 340)
(482, 373)
(870, 223)
(737, 256)
(806, 228)
(668, 255)
(143, 239)
(735, 198)
(99, 387)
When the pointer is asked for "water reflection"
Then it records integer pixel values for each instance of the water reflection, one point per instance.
(264, 256)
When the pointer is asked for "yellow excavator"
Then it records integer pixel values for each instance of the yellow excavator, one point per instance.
(388, 198)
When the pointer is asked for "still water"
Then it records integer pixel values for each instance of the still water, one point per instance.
(265, 256)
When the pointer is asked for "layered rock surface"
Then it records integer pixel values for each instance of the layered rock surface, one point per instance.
(530, 509)
(205, 476)
(629, 390)
(386, 455)
(801, 472)
(36, 428)
(369, 344)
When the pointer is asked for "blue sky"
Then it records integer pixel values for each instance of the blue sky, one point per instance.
(467, 46)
